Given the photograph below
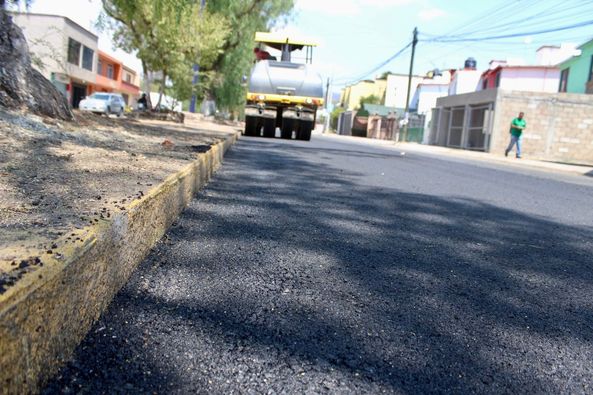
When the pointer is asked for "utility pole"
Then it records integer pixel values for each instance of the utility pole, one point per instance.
(327, 98)
(406, 114)
(196, 73)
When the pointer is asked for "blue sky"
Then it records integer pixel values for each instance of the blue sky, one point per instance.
(356, 35)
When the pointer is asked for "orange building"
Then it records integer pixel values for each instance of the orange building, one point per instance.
(114, 76)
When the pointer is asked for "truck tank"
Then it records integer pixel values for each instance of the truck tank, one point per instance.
(285, 78)
(282, 94)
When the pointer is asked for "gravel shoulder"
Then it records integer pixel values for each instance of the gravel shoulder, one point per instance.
(58, 177)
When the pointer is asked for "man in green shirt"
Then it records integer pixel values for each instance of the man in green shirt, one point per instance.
(517, 127)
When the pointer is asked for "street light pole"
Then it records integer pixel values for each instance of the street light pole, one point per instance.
(406, 115)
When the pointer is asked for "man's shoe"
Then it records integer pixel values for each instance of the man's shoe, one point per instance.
(506, 153)
(518, 157)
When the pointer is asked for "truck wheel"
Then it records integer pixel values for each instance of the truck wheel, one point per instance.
(304, 132)
(269, 127)
(288, 125)
(250, 126)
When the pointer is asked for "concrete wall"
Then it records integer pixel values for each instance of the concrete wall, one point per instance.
(480, 97)
(531, 80)
(559, 125)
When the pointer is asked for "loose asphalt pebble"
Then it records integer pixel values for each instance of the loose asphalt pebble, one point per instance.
(327, 267)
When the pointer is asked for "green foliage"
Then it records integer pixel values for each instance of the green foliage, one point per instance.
(371, 99)
(334, 116)
(169, 36)
(236, 57)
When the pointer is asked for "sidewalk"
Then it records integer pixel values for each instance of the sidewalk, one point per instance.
(510, 161)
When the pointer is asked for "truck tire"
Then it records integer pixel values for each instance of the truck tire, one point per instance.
(288, 125)
(250, 126)
(270, 127)
(304, 132)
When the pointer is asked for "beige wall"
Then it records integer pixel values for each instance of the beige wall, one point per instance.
(559, 125)
(353, 93)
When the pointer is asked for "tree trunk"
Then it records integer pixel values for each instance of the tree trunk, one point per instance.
(21, 86)
(162, 90)
(147, 83)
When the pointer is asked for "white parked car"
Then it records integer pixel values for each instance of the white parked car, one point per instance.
(103, 103)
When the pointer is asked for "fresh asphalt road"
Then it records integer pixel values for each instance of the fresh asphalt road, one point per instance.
(334, 267)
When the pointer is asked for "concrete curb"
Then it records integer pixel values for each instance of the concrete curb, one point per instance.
(49, 311)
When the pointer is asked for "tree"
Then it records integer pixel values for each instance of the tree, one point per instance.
(334, 116)
(370, 99)
(169, 36)
(236, 56)
(20, 84)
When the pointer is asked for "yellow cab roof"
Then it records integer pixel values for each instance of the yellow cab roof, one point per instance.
(275, 40)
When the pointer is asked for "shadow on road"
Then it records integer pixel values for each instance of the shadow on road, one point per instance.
(389, 289)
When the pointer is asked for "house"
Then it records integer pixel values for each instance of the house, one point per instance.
(543, 76)
(397, 89)
(352, 94)
(63, 51)
(479, 120)
(114, 76)
(576, 72)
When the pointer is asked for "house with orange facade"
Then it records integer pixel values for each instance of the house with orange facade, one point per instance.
(114, 76)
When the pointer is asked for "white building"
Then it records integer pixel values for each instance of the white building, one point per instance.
(397, 89)
(63, 51)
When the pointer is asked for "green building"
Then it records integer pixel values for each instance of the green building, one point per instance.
(576, 74)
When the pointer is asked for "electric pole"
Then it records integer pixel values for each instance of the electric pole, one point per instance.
(406, 114)
(327, 99)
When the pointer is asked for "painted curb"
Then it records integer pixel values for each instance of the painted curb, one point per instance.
(50, 310)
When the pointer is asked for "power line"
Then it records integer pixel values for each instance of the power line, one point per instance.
(533, 33)
(376, 68)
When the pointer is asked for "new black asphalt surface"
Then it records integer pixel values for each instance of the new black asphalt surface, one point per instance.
(331, 267)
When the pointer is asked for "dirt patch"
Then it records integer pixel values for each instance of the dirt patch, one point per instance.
(56, 178)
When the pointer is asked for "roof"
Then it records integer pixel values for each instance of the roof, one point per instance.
(497, 68)
(55, 16)
(281, 38)
(585, 44)
(382, 110)
(109, 58)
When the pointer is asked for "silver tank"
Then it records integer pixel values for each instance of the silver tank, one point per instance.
(284, 78)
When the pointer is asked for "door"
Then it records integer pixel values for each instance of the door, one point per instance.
(78, 93)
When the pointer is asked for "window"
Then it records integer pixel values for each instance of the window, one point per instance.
(485, 84)
(128, 78)
(110, 71)
(497, 82)
(73, 52)
(87, 58)
(563, 80)
(100, 68)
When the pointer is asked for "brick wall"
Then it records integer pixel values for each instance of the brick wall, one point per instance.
(559, 125)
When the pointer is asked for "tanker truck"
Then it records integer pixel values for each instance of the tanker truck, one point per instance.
(282, 93)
